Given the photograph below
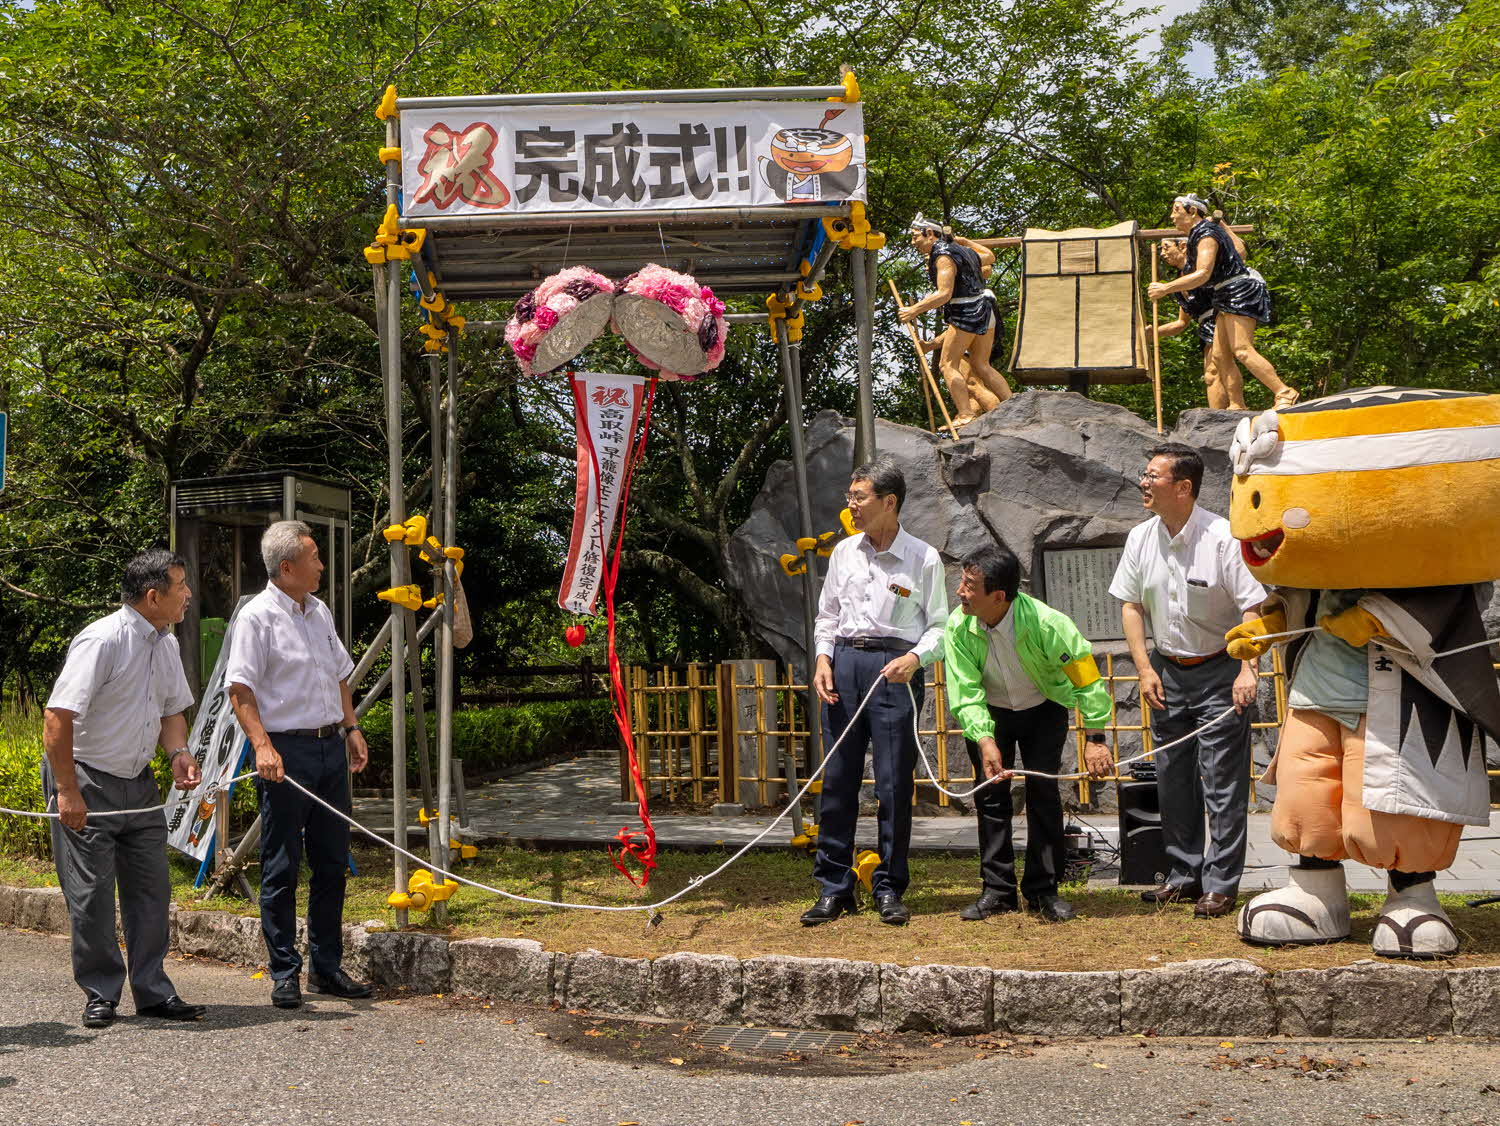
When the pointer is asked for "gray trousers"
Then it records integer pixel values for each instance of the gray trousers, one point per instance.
(1211, 771)
(130, 852)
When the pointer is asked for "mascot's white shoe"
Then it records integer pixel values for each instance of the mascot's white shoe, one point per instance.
(1313, 908)
(1412, 924)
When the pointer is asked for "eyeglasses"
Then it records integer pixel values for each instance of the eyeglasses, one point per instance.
(1149, 476)
(862, 498)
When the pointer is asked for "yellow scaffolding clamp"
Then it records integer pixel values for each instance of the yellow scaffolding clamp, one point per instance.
(846, 518)
(807, 839)
(864, 866)
(851, 89)
(794, 326)
(407, 597)
(387, 107)
(411, 532)
(793, 565)
(394, 242)
(463, 851)
(421, 893)
(854, 231)
(776, 307)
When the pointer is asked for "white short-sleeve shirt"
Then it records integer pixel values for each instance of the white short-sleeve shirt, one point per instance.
(899, 593)
(1195, 585)
(291, 658)
(1006, 684)
(122, 676)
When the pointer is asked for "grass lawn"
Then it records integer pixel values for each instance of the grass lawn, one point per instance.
(753, 907)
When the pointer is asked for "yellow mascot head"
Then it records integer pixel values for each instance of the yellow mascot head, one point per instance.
(1381, 487)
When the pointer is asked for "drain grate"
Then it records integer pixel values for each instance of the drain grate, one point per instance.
(775, 1039)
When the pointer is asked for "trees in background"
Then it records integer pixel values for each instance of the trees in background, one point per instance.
(187, 189)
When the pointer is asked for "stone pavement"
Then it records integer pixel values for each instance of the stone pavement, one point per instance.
(575, 804)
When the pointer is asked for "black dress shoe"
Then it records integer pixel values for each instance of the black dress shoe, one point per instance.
(286, 993)
(98, 1013)
(892, 910)
(1053, 908)
(337, 984)
(827, 909)
(989, 903)
(1170, 893)
(173, 1008)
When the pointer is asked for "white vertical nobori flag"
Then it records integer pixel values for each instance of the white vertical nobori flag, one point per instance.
(608, 410)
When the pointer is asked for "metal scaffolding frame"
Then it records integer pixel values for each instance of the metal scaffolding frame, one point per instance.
(735, 250)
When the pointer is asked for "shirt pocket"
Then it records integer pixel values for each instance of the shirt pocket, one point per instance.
(1203, 598)
(900, 601)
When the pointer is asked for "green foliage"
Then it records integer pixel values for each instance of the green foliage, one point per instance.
(187, 191)
(489, 739)
(21, 783)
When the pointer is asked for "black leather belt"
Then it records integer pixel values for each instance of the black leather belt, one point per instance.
(879, 644)
(327, 732)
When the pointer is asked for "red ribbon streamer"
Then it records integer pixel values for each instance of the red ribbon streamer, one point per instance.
(637, 844)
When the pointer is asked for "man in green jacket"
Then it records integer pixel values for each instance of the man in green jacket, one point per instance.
(1015, 667)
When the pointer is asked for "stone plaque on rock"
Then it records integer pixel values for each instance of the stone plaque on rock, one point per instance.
(1075, 580)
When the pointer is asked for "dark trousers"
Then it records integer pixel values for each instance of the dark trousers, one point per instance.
(1211, 771)
(886, 723)
(291, 820)
(130, 852)
(1038, 734)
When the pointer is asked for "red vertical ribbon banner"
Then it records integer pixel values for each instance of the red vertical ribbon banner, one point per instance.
(607, 409)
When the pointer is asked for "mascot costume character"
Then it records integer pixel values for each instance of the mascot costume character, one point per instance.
(1375, 516)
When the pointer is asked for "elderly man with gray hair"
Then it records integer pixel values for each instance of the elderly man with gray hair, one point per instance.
(121, 694)
(288, 678)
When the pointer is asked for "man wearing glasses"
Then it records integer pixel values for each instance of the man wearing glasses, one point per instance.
(1182, 572)
(880, 622)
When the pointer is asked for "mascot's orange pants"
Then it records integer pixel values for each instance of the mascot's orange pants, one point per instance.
(1319, 811)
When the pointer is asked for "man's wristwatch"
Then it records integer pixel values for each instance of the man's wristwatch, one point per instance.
(1095, 737)
(178, 751)
(350, 730)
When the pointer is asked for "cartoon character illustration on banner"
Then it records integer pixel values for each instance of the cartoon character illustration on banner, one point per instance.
(812, 165)
(1376, 514)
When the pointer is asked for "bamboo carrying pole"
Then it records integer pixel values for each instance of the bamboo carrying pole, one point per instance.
(930, 384)
(1156, 341)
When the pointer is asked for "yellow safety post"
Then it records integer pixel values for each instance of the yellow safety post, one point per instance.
(421, 892)
(807, 839)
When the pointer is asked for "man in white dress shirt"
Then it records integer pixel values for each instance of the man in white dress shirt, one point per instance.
(1182, 577)
(121, 693)
(288, 682)
(880, 622)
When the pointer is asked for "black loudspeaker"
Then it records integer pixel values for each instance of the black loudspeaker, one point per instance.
(1142, 857)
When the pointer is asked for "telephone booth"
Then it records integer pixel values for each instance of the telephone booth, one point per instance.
(216, 526)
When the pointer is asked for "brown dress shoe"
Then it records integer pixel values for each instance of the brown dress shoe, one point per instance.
(1169, 893)
(1213, 904)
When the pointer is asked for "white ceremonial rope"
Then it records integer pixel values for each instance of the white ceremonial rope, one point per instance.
(932, 775)
(182, 799)
(693, 884)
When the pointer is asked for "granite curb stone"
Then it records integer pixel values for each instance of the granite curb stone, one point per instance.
(1206, 997)
(954, 999)
(1057, 1003)
(602, 983)
(1475, 994)
(1367, 999)
(1212, 997)
(796, 992)
(506, 969)
(698, 987)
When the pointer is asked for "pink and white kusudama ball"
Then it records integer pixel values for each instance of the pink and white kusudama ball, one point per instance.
(559, 319)
(670, 322)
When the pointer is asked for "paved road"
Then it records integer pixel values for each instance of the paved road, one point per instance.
(415, 1060)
